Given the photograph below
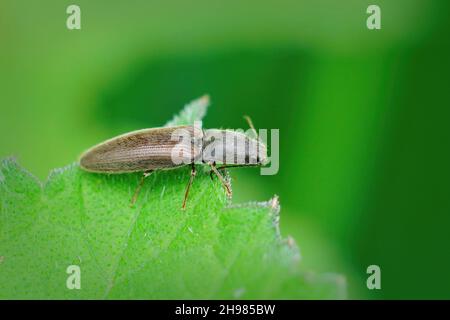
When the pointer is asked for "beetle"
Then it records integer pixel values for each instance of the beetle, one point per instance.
(167, 148)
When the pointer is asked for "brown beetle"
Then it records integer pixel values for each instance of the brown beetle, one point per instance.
(166, 148)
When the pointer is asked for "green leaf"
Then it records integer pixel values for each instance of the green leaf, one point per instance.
(155, 250)
(193, 111)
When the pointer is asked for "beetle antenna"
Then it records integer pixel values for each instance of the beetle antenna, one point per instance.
(250, 124)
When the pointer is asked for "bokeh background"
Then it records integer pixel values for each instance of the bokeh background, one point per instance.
(363, 115)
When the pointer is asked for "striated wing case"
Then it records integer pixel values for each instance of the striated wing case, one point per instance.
(147, 149)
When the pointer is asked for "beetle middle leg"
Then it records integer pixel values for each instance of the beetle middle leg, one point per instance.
(188, 187)
(139, 187)
(225, 184)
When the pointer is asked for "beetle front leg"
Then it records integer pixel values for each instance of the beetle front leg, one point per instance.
(188, 187)
(139, 187)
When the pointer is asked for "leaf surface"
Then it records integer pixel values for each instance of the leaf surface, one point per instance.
(212, 250)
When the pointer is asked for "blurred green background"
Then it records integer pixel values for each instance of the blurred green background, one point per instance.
(363, 115)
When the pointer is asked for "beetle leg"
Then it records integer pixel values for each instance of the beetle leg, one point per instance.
(139, 187)
(212, 171)
(225, 184)
(222, 170)
(188, 187)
